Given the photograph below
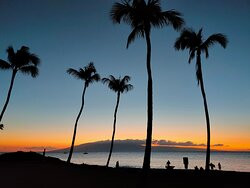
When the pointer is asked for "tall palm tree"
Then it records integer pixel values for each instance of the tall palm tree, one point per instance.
(196, 45)
(89, 75)
(142, 16)
(119, 86)
(4, 66)
(21, 60)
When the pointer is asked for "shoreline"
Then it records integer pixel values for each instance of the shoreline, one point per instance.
(29, 169)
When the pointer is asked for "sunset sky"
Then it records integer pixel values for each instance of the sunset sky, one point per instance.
(65, 34)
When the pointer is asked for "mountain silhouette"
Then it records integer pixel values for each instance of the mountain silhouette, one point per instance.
(129, 146)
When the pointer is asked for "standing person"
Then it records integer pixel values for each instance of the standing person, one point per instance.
(219, 166)
(185, 162)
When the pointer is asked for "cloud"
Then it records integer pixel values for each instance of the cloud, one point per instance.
(174, 143)
(216, 145)
(182, 144)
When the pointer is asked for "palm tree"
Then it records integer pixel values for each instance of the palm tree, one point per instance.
(142, 16)
(119, 86)
(23, 61)
(89, 75)
(196, 45)
(3, 65)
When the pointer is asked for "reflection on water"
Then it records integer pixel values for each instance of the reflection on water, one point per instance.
(237, 161)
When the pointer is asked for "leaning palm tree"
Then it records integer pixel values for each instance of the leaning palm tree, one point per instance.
(119, 86)
(89, 75)
(21, 60)
(4, 66)
(196, 45)
(142, 16)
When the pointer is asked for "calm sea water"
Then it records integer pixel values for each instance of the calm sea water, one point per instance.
(233, 161)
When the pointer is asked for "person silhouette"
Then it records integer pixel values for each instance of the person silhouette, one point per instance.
(168, 165)
(219, 166)
(117, 164)
(212, 166)
(185, 162)
(44, 151)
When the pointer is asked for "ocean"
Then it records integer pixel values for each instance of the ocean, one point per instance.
(231, 161)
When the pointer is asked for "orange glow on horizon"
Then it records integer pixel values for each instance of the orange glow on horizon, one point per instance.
(13, 140)
(39, 146)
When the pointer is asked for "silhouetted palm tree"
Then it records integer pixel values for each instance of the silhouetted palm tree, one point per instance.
(196, 45)
(88, 75)
(3, 65)
(142, 16)
(119, 86)
(22, 61)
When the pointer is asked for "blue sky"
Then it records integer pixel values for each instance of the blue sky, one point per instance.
(72, 33)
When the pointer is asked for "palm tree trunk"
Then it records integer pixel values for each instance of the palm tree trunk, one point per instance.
(206, 112)
(147, 155)
(9, 93)
(114, 126)
(78, 116)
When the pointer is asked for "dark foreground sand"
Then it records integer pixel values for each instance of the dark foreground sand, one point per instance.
(33, 170)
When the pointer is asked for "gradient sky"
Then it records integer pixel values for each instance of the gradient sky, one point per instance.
(65, 33)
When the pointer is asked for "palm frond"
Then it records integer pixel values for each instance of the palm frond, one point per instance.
(74, 73)
(154, 14)
(24, 49)
(187, 39)
(121, 11)
(92, 79)
(105, 80)
(96, 77)
(154, 4)
(191, 55)
(198, 74)
(112, 83)
(90, 68)
(215, 38)
(127, 88)
(11, 55)
(112, 78)
(174, 18)
(34, 59)
(30, 70)
(126, 79)
(114, 86)
(4, 65)
(199, 34)
(206, 51)
(137, 32)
